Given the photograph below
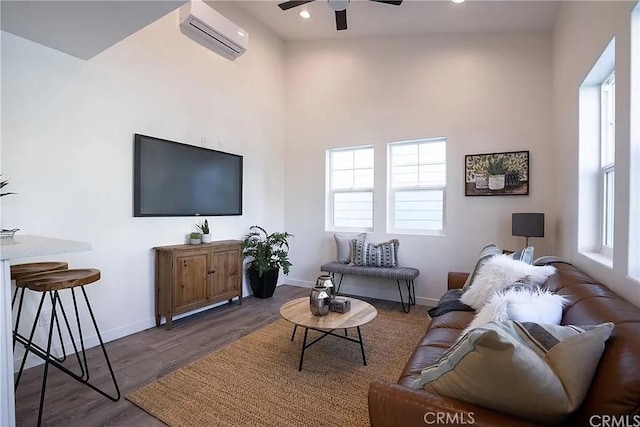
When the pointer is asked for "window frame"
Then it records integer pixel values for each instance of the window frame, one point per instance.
(391, 190)
(331, 192)
(607, 166)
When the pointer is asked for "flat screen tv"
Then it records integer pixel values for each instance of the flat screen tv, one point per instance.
(174, 179)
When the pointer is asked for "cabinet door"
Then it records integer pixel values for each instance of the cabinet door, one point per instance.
(190, 281)
(226, 282)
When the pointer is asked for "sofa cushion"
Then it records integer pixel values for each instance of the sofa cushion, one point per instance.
(499, 272)
(537, 372)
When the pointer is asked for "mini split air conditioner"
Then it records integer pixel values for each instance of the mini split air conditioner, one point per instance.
(213, 29)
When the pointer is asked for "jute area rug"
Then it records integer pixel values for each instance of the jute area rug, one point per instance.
(255, 380)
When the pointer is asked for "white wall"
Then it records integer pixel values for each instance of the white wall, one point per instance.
(67, 146)
(582, 32)
(484, 93)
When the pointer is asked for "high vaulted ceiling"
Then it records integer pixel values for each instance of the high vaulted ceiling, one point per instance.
(84, 28)
(412, 17)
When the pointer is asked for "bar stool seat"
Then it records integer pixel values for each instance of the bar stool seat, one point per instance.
(52, 283)
(21, 270)
(58, 280)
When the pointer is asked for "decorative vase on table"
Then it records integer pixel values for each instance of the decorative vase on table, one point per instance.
(326, 281)
(319, 301)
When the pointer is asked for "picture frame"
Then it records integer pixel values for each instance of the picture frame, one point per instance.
(497, 174)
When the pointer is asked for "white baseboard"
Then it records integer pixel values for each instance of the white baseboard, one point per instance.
(89, 342)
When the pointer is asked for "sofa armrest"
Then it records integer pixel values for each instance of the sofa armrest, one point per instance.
(455, 280)
(393, 405)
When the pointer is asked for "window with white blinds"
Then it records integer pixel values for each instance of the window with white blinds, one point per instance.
(350, 184)
(417, 174)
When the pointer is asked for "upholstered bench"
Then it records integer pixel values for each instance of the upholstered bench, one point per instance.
(407, 274)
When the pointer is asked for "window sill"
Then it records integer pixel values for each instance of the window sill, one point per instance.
(599, 257)
(418, 233)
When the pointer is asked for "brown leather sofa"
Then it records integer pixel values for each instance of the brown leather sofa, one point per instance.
(615, 390)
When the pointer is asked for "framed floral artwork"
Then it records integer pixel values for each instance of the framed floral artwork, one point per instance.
(497, 174)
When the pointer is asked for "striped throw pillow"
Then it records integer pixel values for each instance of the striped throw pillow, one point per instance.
(528, 370)
(377, 255)
(524, 255)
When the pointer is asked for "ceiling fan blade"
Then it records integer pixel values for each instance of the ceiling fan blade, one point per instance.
(341, 20)
(391, 2)
(294, 3)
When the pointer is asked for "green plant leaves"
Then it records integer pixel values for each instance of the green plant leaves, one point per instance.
(267, 251)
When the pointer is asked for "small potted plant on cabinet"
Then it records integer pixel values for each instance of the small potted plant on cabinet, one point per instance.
(206, 235)
(268, 253)
(195, 238)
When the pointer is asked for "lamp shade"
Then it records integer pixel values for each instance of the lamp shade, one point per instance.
(527, 224)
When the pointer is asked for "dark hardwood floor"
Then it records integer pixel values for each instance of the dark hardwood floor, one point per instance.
(143, 357)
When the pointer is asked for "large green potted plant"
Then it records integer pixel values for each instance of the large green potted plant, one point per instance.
(268, 253)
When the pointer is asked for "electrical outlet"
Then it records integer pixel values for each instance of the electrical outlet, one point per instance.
(45, 319)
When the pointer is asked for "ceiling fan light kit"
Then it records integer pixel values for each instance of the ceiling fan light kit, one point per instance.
(338, 6)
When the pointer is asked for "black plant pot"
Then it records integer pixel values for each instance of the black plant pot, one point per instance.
(265, 286)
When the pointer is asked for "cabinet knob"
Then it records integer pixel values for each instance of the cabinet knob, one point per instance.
(211, 271)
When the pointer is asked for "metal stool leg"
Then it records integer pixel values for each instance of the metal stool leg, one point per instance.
(26, 349)
(46, 360)
(104, 351)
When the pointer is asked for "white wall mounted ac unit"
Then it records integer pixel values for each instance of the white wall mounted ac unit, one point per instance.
(214, 29)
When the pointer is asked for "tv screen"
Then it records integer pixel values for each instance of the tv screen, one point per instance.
(173, 179)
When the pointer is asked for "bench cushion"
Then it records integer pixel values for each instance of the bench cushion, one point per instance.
(398, 273)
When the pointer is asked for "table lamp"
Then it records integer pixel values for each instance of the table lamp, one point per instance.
(527, 225)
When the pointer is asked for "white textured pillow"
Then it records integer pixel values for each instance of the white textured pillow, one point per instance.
(522, 305)
(499, 272)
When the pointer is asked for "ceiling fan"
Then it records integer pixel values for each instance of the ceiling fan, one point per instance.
(339, 6)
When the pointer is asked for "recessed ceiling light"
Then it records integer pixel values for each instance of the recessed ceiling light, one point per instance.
(458, 1)
(305, 14)
(240, 33)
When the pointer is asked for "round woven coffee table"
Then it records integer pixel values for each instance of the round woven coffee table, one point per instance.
(299, 313)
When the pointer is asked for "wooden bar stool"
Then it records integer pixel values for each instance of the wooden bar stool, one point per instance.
(19, 271)
(52, 283)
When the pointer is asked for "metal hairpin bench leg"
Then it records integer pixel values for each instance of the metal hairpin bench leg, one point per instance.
(408, 306)
(339, 283)
(412, 292)
(411, 299)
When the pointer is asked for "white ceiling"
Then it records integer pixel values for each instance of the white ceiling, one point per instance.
(412, 17)
(87, 27)
(81, 28)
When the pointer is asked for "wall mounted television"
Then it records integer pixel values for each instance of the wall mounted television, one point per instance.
(174, 179)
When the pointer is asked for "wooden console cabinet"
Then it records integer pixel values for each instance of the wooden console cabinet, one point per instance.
(189, 277)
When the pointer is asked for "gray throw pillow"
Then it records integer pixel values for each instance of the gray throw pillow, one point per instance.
(487, 252)
(343, 246)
